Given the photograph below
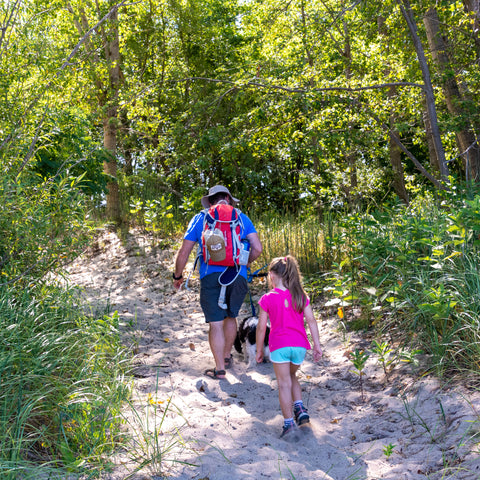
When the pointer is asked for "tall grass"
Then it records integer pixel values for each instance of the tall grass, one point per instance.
(316, 245)
(61, 384)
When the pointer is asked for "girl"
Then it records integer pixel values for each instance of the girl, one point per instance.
(287, 306)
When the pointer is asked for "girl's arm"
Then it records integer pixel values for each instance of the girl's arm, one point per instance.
(261, 329)
(312, 325)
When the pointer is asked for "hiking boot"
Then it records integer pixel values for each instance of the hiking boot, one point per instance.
(301, 415)
(287, 429)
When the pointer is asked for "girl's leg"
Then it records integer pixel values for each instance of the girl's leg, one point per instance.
(285, 387)
(299, 411)
(296, 388)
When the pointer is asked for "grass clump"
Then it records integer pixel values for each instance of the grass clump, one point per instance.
(61, 384)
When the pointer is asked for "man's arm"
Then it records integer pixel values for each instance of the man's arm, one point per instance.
(181, 260)
(255, 246)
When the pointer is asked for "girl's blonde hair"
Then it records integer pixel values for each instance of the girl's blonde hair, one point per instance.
(287, 269)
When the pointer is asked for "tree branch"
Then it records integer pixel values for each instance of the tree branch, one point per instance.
(4, 27)
(253, 83)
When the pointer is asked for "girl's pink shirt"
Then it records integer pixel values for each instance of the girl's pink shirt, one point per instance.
(287, 326)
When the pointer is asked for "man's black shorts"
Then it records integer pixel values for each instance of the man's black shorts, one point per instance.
(234, 297)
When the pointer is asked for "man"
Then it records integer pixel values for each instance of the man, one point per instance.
(222, 321)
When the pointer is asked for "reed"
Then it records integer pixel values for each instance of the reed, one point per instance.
(309, 240)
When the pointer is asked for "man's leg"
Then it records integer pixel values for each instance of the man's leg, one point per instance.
(216, 338)
(229, 332)
(235, 296)
(209, 291)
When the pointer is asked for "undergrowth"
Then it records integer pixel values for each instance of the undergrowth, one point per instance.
(62, 384)
(413, 274)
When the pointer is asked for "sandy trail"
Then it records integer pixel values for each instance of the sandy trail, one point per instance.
(217, 430)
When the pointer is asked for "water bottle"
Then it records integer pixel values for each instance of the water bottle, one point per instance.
(244, 253)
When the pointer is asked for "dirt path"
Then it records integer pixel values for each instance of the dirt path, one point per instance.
(219, 430)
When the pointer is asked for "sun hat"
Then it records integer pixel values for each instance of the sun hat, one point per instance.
(218, 189)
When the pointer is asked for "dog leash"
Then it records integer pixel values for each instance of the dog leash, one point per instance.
(250, 277)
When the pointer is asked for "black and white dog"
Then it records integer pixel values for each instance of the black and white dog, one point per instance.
(245, 342)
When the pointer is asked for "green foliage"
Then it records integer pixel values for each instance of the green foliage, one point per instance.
(384, 353)
(389, 357)
(388, 450)
(61, 383)
(415, 268)
(154, 214)
(359, 359)
(67, 149)
(42, 225)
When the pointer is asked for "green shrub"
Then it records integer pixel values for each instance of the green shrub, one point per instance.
(415, 269)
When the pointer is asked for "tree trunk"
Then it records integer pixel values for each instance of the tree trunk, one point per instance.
(107, 97)
(395, 152)
(466, 140)
(429, 95)
(352, 190)
(397, 167)
(110, 167)
(430, 144)
(110, 122)
(473, 8)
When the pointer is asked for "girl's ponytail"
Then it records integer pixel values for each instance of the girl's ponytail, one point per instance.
(287, 269)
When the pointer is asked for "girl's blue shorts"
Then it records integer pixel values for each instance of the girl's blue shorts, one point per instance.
(295, 355)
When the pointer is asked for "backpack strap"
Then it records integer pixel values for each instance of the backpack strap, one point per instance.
(211, 222)
(236, 238)
(226, 278)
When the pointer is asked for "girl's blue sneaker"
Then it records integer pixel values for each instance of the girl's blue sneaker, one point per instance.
(301, 415)
(287, 429)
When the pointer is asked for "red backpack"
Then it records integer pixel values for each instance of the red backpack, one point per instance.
(221, 237)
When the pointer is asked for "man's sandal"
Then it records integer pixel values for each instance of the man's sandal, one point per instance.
(215, 374)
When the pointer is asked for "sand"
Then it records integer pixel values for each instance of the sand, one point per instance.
(184, 425)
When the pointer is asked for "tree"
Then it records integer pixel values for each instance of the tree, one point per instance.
(427, 85)
(468, 144)
(106, 79)
(395, 152)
